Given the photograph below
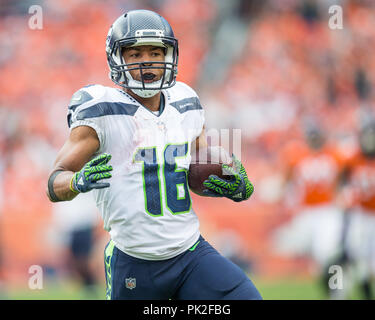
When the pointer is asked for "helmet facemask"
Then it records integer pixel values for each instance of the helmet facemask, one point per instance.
(120, 70)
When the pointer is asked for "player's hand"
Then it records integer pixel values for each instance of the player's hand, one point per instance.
(93, 171)
(238, 188)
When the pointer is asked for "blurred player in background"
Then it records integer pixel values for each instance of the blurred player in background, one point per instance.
(312, 179)
(146, 129)
(360, 201)
(74, 223)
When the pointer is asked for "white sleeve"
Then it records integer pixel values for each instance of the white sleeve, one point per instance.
(81, 112)
(199, 113)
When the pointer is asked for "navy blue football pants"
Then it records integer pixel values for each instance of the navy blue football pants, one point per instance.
(198, 273)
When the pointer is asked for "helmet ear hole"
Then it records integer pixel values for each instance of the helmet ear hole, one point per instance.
(114, 75)
(117, 76)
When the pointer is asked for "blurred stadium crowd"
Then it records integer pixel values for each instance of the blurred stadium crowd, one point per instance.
(272, 68)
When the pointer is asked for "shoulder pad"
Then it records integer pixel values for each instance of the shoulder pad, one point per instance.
(78, 98)
(185, 89)
(183, 98)
(86, 94)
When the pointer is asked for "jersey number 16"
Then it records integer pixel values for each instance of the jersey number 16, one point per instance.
(177, 197)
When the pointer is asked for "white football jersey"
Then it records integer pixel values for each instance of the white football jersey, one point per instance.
(147, 209)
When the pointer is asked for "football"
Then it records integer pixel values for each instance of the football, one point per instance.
(201, 168)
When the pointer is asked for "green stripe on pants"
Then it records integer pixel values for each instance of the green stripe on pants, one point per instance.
(107, 263)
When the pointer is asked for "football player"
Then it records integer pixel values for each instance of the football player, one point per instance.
(361, 230)
(313, 171)
(139, 136)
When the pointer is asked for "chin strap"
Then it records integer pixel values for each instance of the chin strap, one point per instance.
(145, 93)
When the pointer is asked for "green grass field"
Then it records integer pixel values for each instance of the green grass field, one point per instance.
(281, 289)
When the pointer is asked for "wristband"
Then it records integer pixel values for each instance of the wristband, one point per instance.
(71, 185)
(51, 180)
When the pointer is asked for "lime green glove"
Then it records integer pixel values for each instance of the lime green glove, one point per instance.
(87, 178)
(237, 188)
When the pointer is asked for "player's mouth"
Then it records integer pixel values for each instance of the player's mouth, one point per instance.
(149, 77)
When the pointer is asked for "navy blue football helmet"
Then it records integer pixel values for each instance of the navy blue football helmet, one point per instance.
(135, 28)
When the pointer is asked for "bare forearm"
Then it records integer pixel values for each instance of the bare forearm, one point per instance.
(61, 187)
(77, 150)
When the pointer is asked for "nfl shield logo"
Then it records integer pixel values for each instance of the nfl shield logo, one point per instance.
(130, 283)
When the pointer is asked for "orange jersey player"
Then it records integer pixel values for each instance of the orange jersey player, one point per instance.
(312, 170)
(312, 175)
(360, 189)
(362, 182)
